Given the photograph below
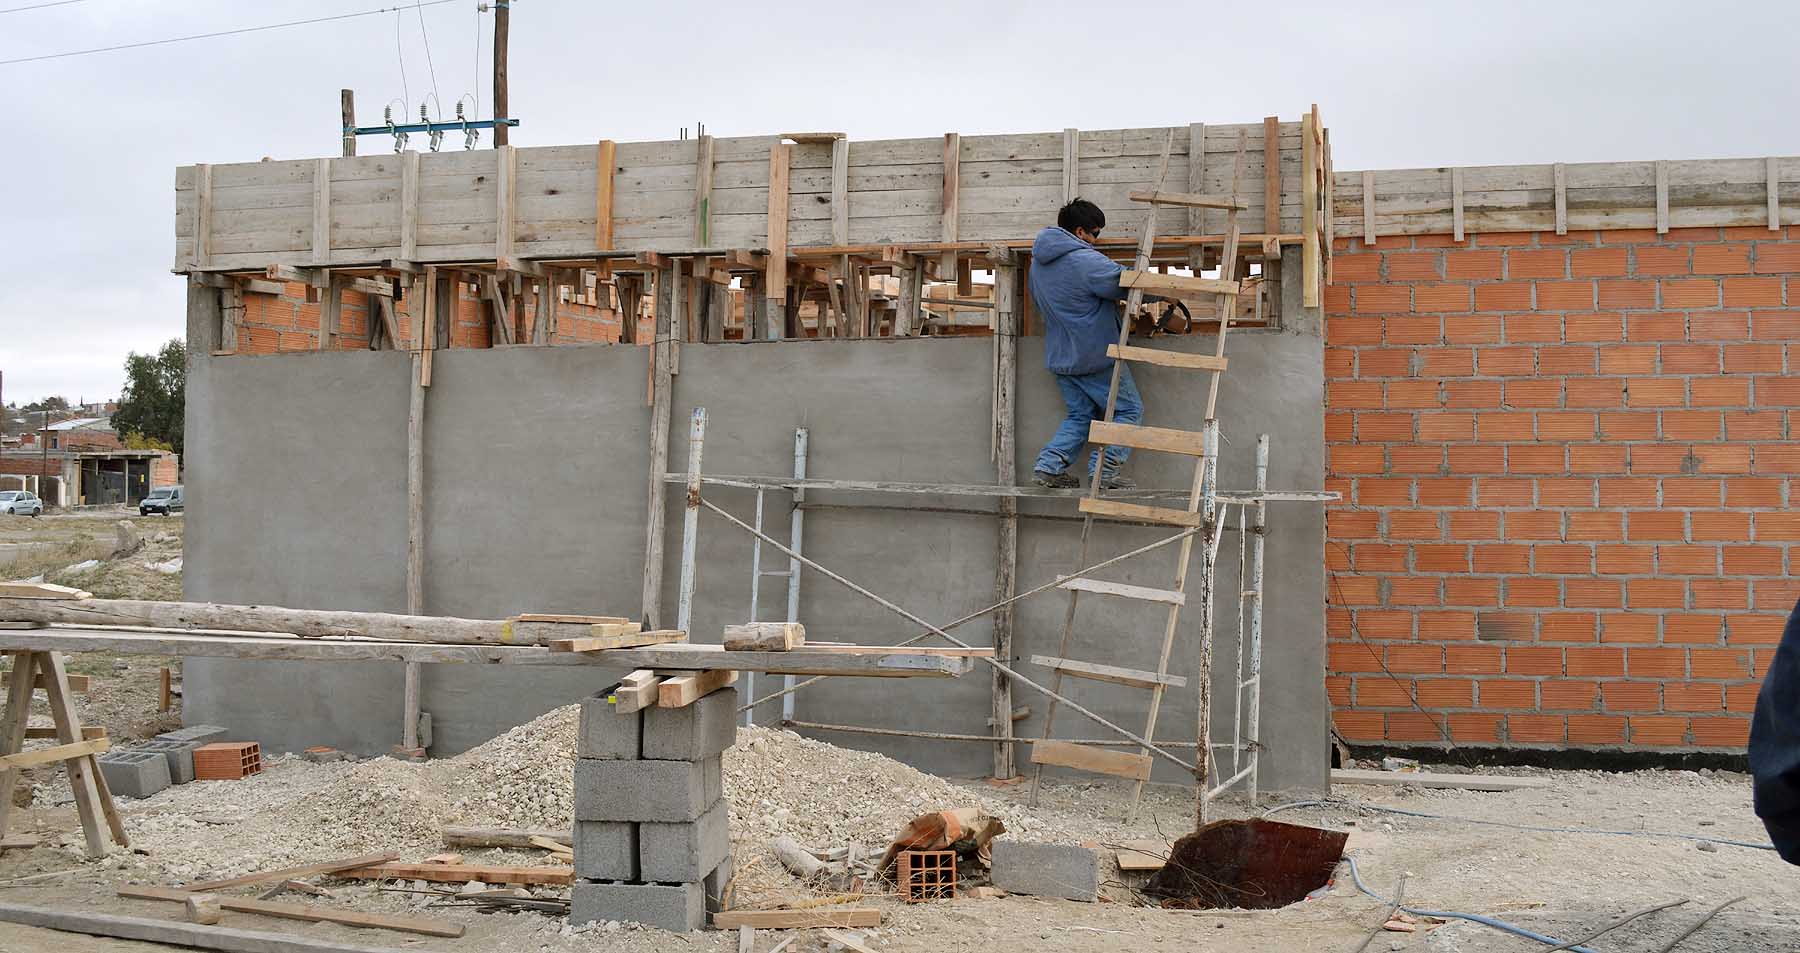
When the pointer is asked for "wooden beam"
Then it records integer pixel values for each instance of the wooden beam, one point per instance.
(40, 590)
(618, 640)
(1456, 203)
(1177, 285)
(1164, 358)
(291, 873)
(1071, 165)
(505, 204)
(1196, 218)
(1309, 214)
(1368, 186)
(681, 689)
(409, 205)
(1662, 197)
(1120, 509)
(1772, 177)
(1108, 673)
(12, 728)
(321, 224)
(812, 138)
(798, 919)
(1083, 757)
(952, 178)
(88, 732)
(662, 386)
(1559, 176)
(305, 912)
(1271, 175)
(78, 749)
(1427, 779)
(203, 215)
(93, 802)
(1008, 282)
(1187, 200)
(635, 692)
(840, 191)
(605, 163)
(555, 876)
(775, 288)
(703, 187)
(174, 933)
(1124, 590)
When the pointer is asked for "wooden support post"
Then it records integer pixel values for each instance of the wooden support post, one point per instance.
(1772, 175)
(502, 31)
(321, 230)
(12, 727)
(1309, 214)
(505, 204)
(630, 291)
(775, 287)
(703, 176)
(912, 282)
(1196, 184)
(1456, 204)
(1662, 197)
(415, 504)
(1560, 179)
(1006, 329)
(661, 404)
(202, 215)
(1368, 202)
(952, 176)
(605, 162)
(347, 110)
(231, 315)
(83, 773)
(330, 312)
(1271, 175)
(1071, 165)
(409, 206)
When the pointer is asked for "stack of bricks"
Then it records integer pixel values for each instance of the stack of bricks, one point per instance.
(652, 837)
(1568, 473)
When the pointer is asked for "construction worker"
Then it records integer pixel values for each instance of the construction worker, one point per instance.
(1076, 289)
(1775, 745)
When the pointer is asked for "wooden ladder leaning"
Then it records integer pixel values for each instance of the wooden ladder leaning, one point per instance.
(1198, 515)
(93, 799)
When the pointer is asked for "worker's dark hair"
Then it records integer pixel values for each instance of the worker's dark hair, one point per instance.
(1081, 213)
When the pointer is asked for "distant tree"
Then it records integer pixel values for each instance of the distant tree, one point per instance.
(155, 396)
(137, 441)
(52, 404)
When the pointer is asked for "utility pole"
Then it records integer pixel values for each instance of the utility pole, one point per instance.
(347, 105)
(44, 460)
(502, 26)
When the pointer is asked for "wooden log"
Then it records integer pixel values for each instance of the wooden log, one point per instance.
(798, 919)
(514, 837)
(680, 689)
(202, 908)
(175, 933)
(296, 911)
(289, 873)
(557, 876)
(764, 637)
(300, 623)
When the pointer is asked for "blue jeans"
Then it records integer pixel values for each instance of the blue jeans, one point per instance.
(1085, 396)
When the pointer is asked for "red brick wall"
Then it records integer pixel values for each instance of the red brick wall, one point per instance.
(165, 470)
(1567, 463)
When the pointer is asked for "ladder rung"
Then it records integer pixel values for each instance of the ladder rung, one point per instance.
(1178, 286)
(1169, 596)
(1108, 673)
(1147, 438)
(1069, 755)
(1151, 355)
(782, 572)
(1138, 511)
(1189, 199)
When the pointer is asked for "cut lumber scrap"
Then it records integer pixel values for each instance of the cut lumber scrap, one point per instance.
(40, 590)
(289, 873)
(449, 858)
(604, 629)
(77, 683)
(764, 636)
(635, 692)
(680, 689)
(1153, 355)
(576, 619)
(1428, 779)
(463, 873)
(18, 842)
(302, 911)
(797, 919)
(1108, 673)
(1068, 755)
(847, 941)
(1176, 286)
(1166, 596)
(79, 749)
(1142, 854)
(553, 846)
(1188, 199)
(175, 933)
(1147, 438)
(618, 640)
(1137, 511)
(520, 837)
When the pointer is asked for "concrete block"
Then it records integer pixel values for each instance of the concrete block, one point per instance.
(179, 753)
(676, 907)
(606, 850)
(1047, 870)
(685, 852)
(134, 773)
(608, 735)
(645, 790)
(198, 734)
(692, 732)
(716, 884)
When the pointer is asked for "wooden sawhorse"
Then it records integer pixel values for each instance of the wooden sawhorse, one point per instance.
(93, 800)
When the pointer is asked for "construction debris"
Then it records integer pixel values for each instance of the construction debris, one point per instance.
(1253, 864)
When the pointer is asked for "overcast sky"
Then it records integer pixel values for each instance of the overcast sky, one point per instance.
(87, 232)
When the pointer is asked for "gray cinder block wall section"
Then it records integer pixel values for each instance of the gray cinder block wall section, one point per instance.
(535, 494)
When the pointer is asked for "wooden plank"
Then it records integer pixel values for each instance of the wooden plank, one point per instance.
(505, 204)
(1662, 197)
(1187, 200)
(1108, 673)
(553, 846)
(1309, 214)
(952, 199)
(65, 752)
(635, 692)
(1071, 170)
(1368, 191)
(1456, 204)
(1146, 438)
(310, 913)
(848, 942)
(409, 205)
(840, 191)
(1085, 758)
(93, 802)
(1137, 855)
(620, 640)
(1559, 174)
(77, 683)
(663, 355)
(1772, 176)
(1120, 509)
(88, 732)
(1143, 593)
(1196, 218)
(1179, 286)
(516, 837)
(1271, 175)
(203, 215)
(681, 689)
(321, 221)
(798, 919)
(1008, 282)
(775, 276)
(556, 876)
(1164, 358)
(764, 637)
(566, 617)
(605, 161)
(291, 873)
(1427, 779)
(703, 191)
(175, 933)
(38, 590)
(846, 648)
(12, 727)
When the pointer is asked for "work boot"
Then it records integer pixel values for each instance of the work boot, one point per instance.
(1055, 481)
(1116, 481)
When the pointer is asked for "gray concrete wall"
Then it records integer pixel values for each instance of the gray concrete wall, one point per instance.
(535, 489)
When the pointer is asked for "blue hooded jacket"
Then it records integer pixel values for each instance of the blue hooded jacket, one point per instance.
(1077, 291)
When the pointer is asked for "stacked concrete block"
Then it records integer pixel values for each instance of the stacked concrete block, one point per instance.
(134, 773)
(179, 753)
(198, 734)
(652, 828)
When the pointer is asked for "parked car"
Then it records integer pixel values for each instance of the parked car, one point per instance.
(20, 502)
(164, 500)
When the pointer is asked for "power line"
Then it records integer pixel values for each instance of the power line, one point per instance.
(426, 36)
(40, 6)
(207, 36)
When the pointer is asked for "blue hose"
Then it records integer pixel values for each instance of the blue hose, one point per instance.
(1512, 928)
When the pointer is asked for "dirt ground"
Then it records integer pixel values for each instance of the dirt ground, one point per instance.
(1563, 882)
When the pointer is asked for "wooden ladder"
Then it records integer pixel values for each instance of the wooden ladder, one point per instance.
(1202, 446)
(93, 799)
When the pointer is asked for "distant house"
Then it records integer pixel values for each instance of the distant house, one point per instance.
(82, 433)
(82, 461)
